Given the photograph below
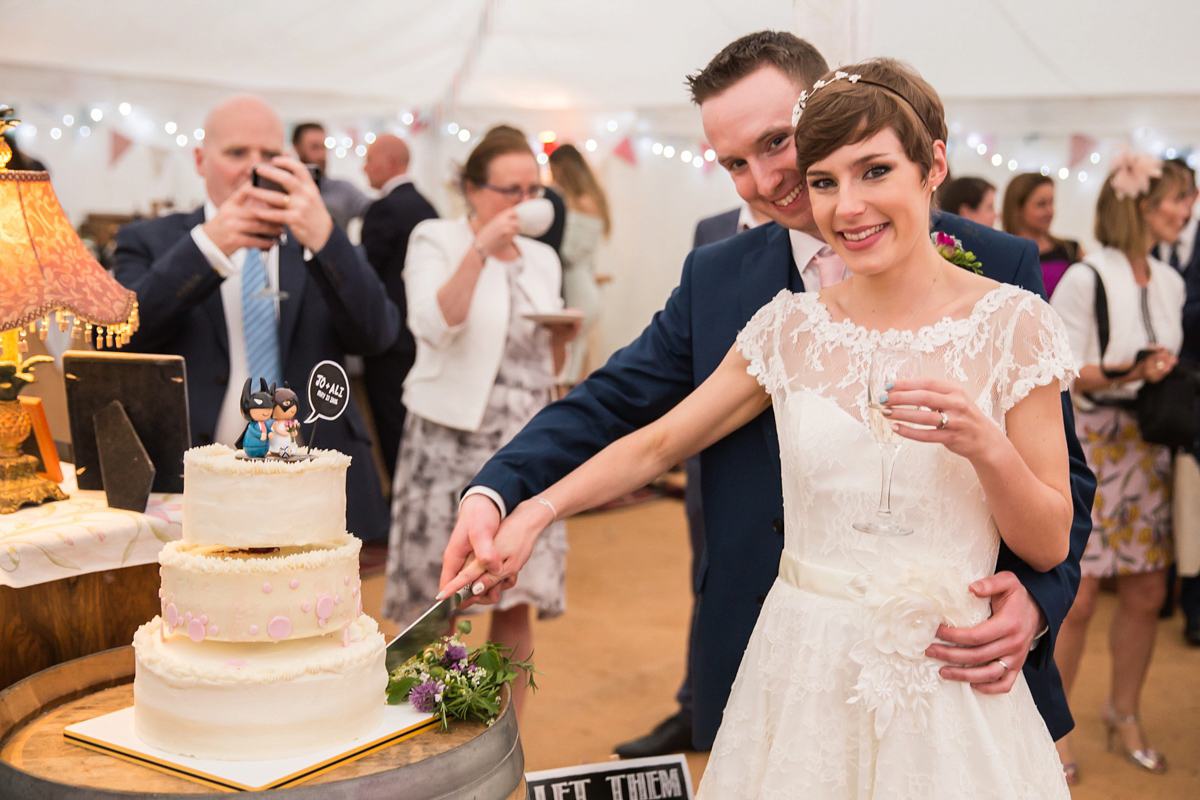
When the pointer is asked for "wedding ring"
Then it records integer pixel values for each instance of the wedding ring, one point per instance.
(287, 200)
(944, 420)
(1000, 661)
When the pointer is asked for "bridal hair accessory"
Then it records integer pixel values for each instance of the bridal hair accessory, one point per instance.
(1132, 172)
(805, 95)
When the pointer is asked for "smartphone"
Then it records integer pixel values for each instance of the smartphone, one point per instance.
(263, 182)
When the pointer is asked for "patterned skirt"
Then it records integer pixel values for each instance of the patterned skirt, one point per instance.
(434, 466)
(1131, 518)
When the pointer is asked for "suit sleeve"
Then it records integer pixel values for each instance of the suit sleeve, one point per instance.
(365, 318)
(379, 238)
(1191, 313)
(1054, 591)
(638, 385)
(168, 284)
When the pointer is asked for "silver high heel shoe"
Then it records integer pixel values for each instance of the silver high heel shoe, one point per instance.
(1148, 759)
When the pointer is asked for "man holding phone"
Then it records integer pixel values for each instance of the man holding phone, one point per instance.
(259, 282)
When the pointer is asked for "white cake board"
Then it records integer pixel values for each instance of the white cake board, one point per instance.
(113, 734)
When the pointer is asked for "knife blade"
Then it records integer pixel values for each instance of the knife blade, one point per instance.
(429, 627)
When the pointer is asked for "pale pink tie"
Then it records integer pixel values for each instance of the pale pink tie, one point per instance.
(830, 266)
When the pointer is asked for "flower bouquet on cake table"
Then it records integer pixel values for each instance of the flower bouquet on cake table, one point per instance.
(454, 681)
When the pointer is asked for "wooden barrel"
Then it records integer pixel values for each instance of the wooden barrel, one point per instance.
(471, 762)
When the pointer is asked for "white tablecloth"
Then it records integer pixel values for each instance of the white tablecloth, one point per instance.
(82, 534)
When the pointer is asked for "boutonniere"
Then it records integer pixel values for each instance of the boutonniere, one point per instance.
(951, 249)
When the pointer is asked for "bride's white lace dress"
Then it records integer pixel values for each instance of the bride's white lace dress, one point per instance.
(835, 697)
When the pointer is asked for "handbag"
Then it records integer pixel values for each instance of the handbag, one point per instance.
(1168, 412)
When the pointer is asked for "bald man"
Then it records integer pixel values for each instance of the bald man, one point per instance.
(386, 228)
(263, 281)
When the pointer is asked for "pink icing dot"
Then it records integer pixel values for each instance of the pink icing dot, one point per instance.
(360, 606)
(236, 663)
(266, 588)
(196, 630)
(305, 606)
(172, 615)
(253, 630)
(203, 619)
(320, 623)
(346, 636)
(279, 628)
(346, 580)
(354, 592)
(324, 607)
(337, 599)
(295, 584)
(160, 594)
(212, 630)
(187, 617)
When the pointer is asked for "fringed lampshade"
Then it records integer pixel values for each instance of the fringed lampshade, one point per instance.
(45, 272)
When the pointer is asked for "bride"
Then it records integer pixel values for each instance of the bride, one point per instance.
(835, 697)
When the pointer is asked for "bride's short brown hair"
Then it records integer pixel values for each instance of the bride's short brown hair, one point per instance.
(887, 94)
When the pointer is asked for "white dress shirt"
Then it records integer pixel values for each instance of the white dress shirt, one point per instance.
(230, 422)
(804, 247)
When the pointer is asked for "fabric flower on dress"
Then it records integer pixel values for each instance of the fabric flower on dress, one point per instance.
(907, 606)
(1132, 172)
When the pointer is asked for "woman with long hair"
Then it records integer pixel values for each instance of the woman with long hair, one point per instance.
(1143, 202)
(1028, 212)
(588, 222)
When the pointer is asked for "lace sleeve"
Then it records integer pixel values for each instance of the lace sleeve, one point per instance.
(1038, 351)
(758, 342)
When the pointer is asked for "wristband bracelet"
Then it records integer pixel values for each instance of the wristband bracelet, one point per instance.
(548, 505)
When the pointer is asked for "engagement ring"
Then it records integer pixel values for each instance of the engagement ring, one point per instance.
(945, 419)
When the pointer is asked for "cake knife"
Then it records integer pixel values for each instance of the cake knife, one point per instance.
(428, 628)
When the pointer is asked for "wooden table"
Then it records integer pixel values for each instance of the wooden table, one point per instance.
(470, 761)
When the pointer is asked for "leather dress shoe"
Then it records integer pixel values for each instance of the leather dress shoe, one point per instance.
(672, 735)
(1191, 633)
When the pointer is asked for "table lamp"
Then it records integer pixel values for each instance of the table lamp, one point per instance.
(45, 271)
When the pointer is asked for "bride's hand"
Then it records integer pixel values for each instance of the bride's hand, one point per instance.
(513, 546)
(952, 418)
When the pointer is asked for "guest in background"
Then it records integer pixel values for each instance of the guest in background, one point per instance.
(970, 198)
(343, 199)
(222, 287)
(675, 732)
(482, 371)
(387, 225)
(587, 223)
(1184, 254)
(1028, 212)
(553, 236)
(1188, 255)
(1141, 203)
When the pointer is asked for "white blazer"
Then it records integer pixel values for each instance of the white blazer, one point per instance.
(456, 367)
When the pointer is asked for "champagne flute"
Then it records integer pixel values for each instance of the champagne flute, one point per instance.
(886, 365)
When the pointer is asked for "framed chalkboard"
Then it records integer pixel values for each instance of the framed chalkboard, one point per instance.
(153, 391)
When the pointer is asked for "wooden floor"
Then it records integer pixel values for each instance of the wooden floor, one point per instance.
(611, 665)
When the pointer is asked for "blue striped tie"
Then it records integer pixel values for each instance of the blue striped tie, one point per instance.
(259, 330)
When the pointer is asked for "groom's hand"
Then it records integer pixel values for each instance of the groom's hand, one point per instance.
(474, 536)
(1006, 636)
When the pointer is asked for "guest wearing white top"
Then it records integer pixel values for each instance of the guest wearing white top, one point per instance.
(1142, 202)
(482, 371)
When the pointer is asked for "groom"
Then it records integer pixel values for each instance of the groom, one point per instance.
(746, 95)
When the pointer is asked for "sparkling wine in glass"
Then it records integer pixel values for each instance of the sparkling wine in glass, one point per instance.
(886, 365)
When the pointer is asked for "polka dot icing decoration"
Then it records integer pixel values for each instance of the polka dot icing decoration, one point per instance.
(294, 584)
(196, 630)
(279, 628)
(266, 588)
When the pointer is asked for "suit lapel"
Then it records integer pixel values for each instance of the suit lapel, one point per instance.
(292, 280)
(214, 306)
(764, 271)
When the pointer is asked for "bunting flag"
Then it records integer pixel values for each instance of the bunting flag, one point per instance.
(624, 151)
(117, 145)
(1082, 146)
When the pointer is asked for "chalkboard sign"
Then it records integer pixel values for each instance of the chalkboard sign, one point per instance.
(660, 778)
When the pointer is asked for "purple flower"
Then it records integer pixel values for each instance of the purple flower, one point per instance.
(425, 696)
(454, 653)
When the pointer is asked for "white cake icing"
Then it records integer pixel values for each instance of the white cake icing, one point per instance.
(235, 702)
(262, 502)
(262, 650)
(238, 596)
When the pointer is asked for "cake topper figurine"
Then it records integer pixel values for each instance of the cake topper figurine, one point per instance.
(257, 408)
(283, 429)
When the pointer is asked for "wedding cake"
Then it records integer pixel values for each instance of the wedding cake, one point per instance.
(261, 650)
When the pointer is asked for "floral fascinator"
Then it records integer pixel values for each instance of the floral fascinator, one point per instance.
(1132, 172)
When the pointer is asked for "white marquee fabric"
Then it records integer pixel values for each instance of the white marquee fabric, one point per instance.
(1020, 78)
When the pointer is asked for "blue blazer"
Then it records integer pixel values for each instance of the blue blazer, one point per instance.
(717, 227)
(335, 305)
(723, 284)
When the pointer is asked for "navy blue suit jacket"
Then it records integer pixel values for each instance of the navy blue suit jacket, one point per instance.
(723, 284)
(716, 228)
(335, 305)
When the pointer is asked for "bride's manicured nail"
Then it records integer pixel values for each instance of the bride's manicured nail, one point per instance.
(440, 595)
(887, 412)
(896, 426)
(477, 588)
(883, 397)
(890, 385)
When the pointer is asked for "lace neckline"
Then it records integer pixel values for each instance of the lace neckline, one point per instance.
(989, 302)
